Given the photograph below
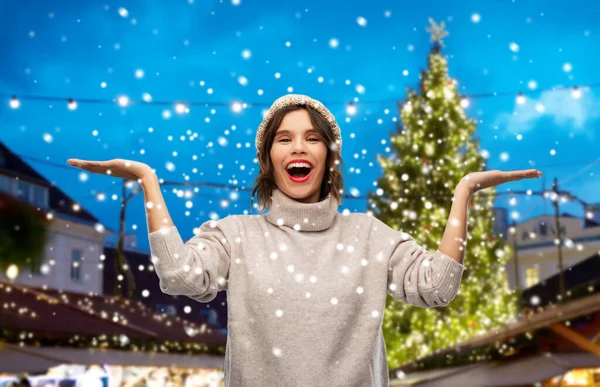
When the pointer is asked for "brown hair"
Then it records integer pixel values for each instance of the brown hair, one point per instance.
(333, 181)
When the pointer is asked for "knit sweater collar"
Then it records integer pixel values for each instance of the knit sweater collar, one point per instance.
(288, 212)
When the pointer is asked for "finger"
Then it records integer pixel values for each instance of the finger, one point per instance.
(529, 173)
(91, 166)
(525, 174)
(74, 162)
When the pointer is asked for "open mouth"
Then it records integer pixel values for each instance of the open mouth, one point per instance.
(299, 172)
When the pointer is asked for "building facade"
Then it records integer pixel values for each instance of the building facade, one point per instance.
(72, 258)
(536, 255)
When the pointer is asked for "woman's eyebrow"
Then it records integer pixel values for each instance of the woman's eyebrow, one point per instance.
(286, 131)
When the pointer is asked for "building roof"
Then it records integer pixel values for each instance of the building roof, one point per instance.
(535, 333)
(577, 280)
(70, 318)
(59, 202)
(526, 371)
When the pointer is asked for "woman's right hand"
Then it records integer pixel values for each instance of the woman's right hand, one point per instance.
(127, 169)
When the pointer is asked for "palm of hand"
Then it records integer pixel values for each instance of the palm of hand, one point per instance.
(127, 169)
(476, 181)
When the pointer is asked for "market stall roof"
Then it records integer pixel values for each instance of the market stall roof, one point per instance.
(135, 314)
(30, 309)
(523, 371)
(64, 315)
(554, 314)
(15, 359)
(563, 347)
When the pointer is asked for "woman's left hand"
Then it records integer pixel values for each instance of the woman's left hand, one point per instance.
(476, 181)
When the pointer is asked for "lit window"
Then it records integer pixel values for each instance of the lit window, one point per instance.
(531, 276)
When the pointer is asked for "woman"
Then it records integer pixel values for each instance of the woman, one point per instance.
(306, 285)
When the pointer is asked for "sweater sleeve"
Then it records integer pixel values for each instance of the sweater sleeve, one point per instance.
(415, 276)
(198, 268)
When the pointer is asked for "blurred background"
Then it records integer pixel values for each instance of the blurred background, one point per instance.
(183, 85)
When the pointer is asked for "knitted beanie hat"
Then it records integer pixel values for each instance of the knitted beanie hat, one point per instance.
(297, 100)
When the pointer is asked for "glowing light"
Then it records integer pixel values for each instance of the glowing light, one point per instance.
(123, 101)
(72, 105)
(14, 102)
(236, 107)
(12, 272)
(351, 109)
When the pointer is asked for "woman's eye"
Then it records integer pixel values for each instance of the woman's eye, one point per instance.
(310, 139)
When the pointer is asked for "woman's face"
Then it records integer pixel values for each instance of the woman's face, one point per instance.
(297, 141)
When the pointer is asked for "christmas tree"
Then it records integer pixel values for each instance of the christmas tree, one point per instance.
(433, 149)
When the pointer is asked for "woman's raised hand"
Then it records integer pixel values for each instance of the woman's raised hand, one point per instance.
(476, 181)
(127, 169)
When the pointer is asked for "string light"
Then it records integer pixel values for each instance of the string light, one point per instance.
(124, 101)
(115, 309)
(464, 103)
(72, 105)
(236, 107)
(351, 109)
(14, 102)
(181, 108)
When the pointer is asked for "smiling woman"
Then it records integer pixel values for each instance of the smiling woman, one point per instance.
(298, 149)
(299, 158)
(323, 324)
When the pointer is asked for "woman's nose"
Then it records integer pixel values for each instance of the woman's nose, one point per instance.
(299, 147)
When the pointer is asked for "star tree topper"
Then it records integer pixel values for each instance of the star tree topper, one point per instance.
(437, 32)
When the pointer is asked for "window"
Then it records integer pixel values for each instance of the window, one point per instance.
(543, 229)
(23, 190)
(531, 276)
(26, 191)
(39, 196)
(5, 184)
(36, 269)
(76, 265)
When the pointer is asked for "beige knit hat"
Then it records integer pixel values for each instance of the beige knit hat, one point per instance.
(294, 100)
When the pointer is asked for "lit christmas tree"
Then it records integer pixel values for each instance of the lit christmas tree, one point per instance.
(434, 148)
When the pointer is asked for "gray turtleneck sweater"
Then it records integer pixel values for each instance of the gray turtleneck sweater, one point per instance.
(306, 289)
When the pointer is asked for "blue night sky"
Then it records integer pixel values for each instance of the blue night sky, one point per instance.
(255, 51)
